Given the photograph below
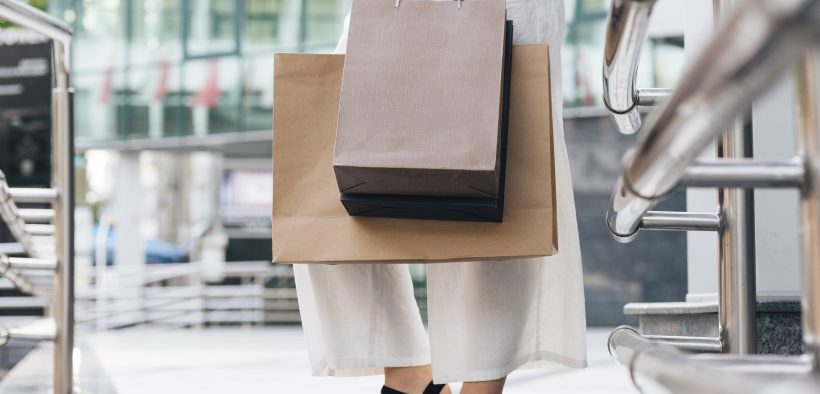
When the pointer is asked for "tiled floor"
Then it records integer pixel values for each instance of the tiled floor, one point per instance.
(269, 360)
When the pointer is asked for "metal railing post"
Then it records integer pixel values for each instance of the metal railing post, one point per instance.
(63, 181)
(737, 294)
(737, 290)
(62, 140)
(808, 93)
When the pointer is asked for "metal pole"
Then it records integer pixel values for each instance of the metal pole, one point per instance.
(737, 293)
(745, 173)
(808, 90)
(736, 278)
(680, 221)
(62, 138)
(653, 97)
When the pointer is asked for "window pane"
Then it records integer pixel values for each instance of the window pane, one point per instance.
(211, 27)
(258, 92)
(156, 32)
(271, 24)
(323, 19)
(99, 39)
(212, 88)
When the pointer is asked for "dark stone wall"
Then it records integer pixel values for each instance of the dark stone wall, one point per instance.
(651, 268)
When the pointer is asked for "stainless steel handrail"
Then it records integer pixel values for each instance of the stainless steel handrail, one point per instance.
(651, 363)
(758, 42)
(647, 357)
(626, 31)
(62, 139)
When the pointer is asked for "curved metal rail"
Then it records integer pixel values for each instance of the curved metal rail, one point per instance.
(625, 35)
(651, 364)
(758, 43)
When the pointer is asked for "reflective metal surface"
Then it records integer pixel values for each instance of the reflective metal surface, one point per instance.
(63, 180)
(680, 221)
(691, 344)
(652, 363)
(759, 364)
(745, 173)
(658, 367)
(737, 289)
(625, 34)
(758, 42)
(737, 292)
(625, 212)
(651, 97)
(808, 86)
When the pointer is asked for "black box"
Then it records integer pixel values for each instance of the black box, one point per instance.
(444, 208)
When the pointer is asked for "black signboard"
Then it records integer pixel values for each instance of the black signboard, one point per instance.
(25, 111)
(25, 108)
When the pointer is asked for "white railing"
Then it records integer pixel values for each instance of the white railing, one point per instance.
(176, 296)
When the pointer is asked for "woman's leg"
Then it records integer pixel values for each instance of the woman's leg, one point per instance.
(411, 379)
(490, 387)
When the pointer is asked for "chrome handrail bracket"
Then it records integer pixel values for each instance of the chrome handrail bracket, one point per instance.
(626, 31)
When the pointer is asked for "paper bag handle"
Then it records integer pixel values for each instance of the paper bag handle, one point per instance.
(398, 3)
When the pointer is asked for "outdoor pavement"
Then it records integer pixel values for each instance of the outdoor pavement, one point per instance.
(261, 360)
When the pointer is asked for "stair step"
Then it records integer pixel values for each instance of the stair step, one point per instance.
(779, 328)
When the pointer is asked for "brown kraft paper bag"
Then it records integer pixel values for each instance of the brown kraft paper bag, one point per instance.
(310, 225)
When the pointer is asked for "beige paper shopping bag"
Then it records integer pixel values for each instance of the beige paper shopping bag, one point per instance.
(309, 223)
(420, 108)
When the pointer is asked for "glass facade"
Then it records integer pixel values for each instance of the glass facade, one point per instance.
(164, 68)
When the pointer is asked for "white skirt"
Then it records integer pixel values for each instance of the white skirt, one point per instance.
(486, 319)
